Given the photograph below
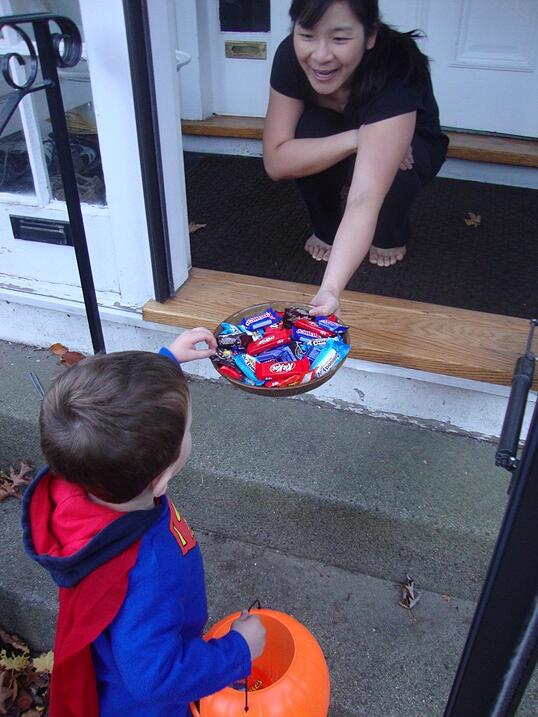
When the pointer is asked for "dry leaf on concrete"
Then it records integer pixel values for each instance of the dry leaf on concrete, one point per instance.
(67, 357)
(70, 358)
(58, 349)
(473, 220)
(24, 678)
(10, 485)
(193, 227)
(409, 596)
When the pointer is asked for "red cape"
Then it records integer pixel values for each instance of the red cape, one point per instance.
(85, 611)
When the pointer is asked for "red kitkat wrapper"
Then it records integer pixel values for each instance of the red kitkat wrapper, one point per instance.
(269, 340)
(312, 326)
(284, 381)
(282, 368)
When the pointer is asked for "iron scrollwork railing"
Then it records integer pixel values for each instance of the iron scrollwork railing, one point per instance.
(54, 49)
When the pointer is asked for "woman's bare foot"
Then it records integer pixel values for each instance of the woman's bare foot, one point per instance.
(386, 257)
(317, 248)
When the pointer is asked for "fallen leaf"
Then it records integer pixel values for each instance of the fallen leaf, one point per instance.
(24, 700)
(58, 349)
(11, 486)
(67, 357)
(70, 358)
(446, 598)
(193, 227)
(473, 220)
(24, 678)
(16, 662)
(8, 691)
(7, 489)
(409, 596)
(44, 662)
(22, 477)
(13, 641)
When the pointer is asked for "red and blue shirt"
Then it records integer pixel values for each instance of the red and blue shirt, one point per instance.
(132, 606)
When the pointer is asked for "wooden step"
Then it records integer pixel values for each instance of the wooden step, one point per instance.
(410, 334)
(463, 145)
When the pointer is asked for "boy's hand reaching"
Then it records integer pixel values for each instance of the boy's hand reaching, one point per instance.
(252, 629)
(184, 347)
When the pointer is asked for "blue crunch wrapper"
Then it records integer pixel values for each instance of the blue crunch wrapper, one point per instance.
(280, 353)
(303, 334)
(229, 328)
(314, 351)
(245, 365)
(326, 355)
(259, 321)
(333, 326)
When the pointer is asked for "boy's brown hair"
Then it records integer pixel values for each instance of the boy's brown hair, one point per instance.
(112, 423)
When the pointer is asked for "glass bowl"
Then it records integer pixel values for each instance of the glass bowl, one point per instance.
(278, 390)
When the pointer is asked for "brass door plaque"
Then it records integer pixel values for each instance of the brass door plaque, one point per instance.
(245, 50)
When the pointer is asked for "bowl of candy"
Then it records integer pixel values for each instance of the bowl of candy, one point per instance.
(278, 349)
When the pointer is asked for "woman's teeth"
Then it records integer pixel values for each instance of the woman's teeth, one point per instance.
(324, 74)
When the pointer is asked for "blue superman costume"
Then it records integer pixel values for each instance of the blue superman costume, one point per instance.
(132, 606)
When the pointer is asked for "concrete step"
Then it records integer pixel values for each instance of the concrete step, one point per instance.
(360, 493)
(364, 494)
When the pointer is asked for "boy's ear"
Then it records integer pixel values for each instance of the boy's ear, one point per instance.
(159, 484)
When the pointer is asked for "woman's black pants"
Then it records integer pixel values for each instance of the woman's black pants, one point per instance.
(323, 192)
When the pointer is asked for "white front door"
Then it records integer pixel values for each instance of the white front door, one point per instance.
(483, 60)
(214, 83)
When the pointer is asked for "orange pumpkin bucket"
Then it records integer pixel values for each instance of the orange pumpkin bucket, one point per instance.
(290, 677)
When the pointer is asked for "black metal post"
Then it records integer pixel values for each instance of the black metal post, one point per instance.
(502, 646)
(63, 49)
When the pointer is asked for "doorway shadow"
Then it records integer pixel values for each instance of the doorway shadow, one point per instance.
(255, 226)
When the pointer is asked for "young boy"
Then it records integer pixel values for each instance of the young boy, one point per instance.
(115, 429)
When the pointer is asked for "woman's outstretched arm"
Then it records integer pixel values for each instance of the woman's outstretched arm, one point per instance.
(285, 157)
(380, 149)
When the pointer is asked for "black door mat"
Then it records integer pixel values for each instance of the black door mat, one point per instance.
(258, 227)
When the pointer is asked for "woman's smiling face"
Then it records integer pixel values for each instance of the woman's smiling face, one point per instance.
(331, 51)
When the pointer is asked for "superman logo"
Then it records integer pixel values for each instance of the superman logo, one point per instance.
(181, 530)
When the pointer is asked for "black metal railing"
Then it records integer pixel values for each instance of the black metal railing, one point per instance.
(54, 49)
(501, 650)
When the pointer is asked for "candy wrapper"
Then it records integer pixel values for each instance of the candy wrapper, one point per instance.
(280, 349)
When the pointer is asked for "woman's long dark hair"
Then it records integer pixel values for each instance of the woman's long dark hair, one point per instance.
(394, 55)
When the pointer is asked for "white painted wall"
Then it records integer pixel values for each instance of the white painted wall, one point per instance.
(194, 78)
(164, 45)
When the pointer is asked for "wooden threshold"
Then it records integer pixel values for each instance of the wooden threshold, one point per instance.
(410, 334)
(463, 145)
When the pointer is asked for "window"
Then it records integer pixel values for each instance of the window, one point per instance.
(244, 16)
(28, 158)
